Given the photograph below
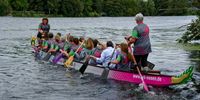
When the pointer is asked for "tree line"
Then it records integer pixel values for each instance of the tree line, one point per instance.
(87, 8)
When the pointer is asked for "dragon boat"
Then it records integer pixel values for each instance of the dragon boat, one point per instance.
(127, 76)
(133, 77)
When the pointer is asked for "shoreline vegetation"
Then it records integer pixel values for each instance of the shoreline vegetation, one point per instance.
(106, 8)
(193, 32)
(97, 8)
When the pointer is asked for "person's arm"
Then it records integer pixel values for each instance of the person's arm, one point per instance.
(102, 58)
(99, 60)
(56, 47)
(40, 28)
(116, 61)
(64, 52)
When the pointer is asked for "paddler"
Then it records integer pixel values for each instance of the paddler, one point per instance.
(88, 49)
(124, 61)
(140, 39)
(96, 52)
(107, 55)
(73, 48)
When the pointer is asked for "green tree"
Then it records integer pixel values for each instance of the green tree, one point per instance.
(19, 5)
(37, 5)
(53, 6)
(177, 7)
(130, 7)
(196, 3)
(112, 8)
(5, 8)
(150, 7)
(97, 6)
(160, 6)
(87, 4)
(192, 33)
(71, 8)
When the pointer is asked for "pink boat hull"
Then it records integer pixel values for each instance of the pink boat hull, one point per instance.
(157, 80)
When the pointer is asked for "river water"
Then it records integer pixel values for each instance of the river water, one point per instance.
(22, 77)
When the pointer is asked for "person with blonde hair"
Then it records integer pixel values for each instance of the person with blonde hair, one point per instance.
(88, 50)
(125, 60)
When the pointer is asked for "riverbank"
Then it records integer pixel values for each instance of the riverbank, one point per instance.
(42, 14)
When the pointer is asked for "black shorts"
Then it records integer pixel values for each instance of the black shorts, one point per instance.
(141, 60)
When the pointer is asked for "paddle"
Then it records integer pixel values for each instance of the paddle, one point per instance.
(105, 73)
(83, 67)
(57, 58)
(150, 65)
(143, 82)
(85, 64)
(46, 58)
(71, 58)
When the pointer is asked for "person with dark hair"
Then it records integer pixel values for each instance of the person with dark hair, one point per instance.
(106, 56)
(74, 45)
(46, 44)
(43, 29)
(96, 52)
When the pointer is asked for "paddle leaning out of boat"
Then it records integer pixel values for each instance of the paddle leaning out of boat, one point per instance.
(68, 49)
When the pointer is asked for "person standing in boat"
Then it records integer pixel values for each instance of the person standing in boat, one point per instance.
(43, 29)
(141, 40)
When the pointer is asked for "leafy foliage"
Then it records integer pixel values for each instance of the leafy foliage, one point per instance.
(5, 8)
(193, 32)
(76, 8)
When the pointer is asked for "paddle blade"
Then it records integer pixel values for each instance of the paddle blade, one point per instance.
(145, 87)
(69, 61)
(150, 65)
(83, 67)
(46, 58)
(105, 73)
(57, 58)
(143, 82)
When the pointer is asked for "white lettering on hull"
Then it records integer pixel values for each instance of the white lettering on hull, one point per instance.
(151, 78)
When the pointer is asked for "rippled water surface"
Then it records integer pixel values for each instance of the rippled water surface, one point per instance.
(22, 77)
